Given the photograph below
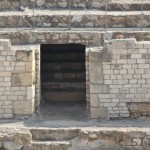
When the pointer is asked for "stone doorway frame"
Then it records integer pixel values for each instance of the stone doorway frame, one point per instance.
(94, 81)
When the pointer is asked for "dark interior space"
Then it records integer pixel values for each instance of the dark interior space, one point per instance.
(63, 80)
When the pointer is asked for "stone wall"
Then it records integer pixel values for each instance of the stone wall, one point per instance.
(119, 79)
(17, 77)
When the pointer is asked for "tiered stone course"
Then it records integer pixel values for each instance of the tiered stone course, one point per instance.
(61, 19)
(76, 4)
(75, 138)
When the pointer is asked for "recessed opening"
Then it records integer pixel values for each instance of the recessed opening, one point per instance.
(63, 81)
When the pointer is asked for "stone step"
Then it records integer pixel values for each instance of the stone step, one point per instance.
(60, 36)
(76, 19)
(54, 134)
(112, 5)
(63, 67)
(63, 81)
(48, 145)
(64, 85)
(64, 95)
(49, 70)
(55, 61)
(63, 56)
(62, 76)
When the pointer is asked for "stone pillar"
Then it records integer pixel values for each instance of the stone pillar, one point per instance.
(23, 78)
(17, 79)
(96, 83)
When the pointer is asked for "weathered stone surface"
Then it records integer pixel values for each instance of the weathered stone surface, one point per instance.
(95, 66)
(139, 110)
(94, 102)
(24, 107)
(93, 136)
(118, 80)
(78, 144)
(12, 146)
(42, 145)
(30, 93)
(91, 19)
(54, 134)
(5, 44)
(23, 137)
(25, 55)
(14, 139)
(93, 4)
(99, 112)
(97, 88)
(22, 79)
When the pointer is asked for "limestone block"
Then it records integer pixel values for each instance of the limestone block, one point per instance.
(92, 136)
(25, 55)
(12, 146)
(23, 137)
(95, 72)
(97, 88)
(147, 44)
(5, 44)
(94, 144)
(30, 93)
(28, 66)
(94, 100)
(120, 44)
(25, 107)
(100, 112)
(22, 79)
(95, 66)
(139, 109)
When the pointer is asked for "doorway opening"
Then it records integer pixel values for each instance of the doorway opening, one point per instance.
(63, 81)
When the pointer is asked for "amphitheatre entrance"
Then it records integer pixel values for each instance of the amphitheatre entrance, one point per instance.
(63, 80)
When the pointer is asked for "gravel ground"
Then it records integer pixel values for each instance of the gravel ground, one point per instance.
(40, 122)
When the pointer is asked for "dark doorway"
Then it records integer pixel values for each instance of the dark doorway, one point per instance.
(63, 79)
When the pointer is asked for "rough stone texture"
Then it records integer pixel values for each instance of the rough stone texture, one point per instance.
(96, 83)
(18, 136)
(92, 4)
(61, 18)
(115, 76)
(99, 112)
(83, 36)
(54, 134)
(139, 109)
(17, 86)
(110, 139)
(126, 138)
(12, 146)
(82, 138)
(119, 74)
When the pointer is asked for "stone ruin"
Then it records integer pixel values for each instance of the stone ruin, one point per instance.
(108, 69)
(117, 79)
(95, 52)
